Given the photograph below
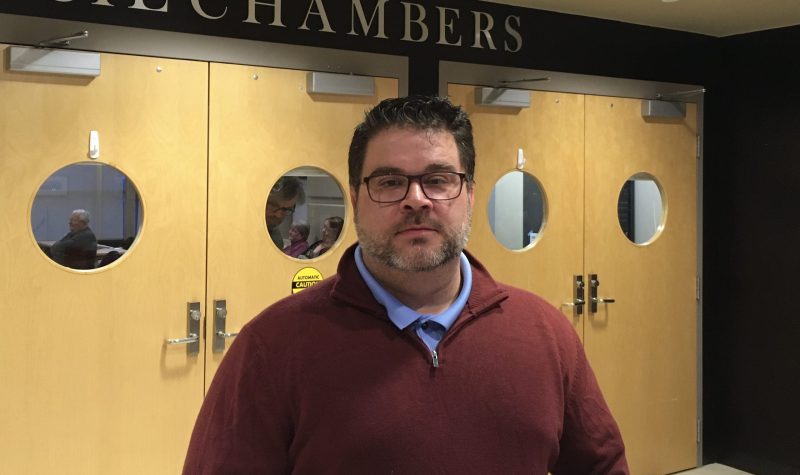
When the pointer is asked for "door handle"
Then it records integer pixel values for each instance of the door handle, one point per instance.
(192, 339)
(594, 283)
(220, 317)
(578, 301)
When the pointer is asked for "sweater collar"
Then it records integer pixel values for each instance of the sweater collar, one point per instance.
(349, 287)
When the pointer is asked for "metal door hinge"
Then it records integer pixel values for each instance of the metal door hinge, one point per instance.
(699, 147)
(699, 431)
(697, 288)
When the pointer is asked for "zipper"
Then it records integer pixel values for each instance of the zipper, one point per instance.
(435, 358)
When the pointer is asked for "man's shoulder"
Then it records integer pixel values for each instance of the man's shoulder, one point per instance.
(296, 309)
(530, 305)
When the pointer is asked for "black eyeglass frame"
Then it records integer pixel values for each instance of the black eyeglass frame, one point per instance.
(282, 209)
(418, 179)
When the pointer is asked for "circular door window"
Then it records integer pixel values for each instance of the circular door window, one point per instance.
(641, 208)
(517, 210)
(86, 216)
(305, 212)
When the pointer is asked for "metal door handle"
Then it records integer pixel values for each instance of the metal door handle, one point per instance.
(220, 317)
(575, 303)
(578, 301)
(192, 338)
(594, 283)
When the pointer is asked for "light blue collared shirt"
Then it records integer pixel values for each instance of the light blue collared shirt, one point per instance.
(430, 328)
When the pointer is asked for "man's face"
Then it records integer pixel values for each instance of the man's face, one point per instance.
(75, 223)
(278, 209)
(417, 233)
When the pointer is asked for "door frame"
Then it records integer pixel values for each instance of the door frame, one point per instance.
(553, 81)
(26, 30)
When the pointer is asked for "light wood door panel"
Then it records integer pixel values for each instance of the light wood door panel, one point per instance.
(89, 387)
(550, 132)
(263, 124)
(643, 346)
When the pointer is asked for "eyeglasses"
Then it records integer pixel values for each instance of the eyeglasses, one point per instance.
(283, 209)
(391, 188)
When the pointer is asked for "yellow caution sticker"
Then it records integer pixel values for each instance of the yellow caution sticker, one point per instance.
(305, 278)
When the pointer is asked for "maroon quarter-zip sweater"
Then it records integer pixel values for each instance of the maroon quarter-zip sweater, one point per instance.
(323, 382)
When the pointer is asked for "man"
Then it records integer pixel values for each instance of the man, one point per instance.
(411, 359)
(284, 196)
(78, 248)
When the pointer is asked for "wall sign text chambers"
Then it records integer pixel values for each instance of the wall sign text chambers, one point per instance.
(415, 22)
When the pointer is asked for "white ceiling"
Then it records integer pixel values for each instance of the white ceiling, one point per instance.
(709, 17)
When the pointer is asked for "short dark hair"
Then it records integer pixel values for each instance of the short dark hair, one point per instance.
(288, 188)
(413, 112)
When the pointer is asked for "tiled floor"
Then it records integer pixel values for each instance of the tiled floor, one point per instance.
(714, 469)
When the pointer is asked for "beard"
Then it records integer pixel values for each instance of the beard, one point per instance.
(421, 257)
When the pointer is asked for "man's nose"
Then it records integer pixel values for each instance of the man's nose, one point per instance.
(416, 198)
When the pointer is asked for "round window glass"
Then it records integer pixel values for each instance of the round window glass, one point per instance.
(86, 215)
(517, 210)
(640, 208)
(305, 212)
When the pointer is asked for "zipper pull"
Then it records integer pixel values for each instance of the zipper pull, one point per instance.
(435, 357)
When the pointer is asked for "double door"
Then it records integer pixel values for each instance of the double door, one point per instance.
(90, 384)
(640, 333)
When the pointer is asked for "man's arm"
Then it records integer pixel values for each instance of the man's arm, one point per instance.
(243, 425)
(591, 443)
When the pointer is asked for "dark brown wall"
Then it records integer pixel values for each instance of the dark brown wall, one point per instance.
(752, 254)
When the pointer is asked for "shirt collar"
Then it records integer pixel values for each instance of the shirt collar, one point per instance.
(403, 316)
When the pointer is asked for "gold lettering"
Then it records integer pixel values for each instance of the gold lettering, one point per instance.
(276, 12)
(326, 26)
(446, 26)
(358, 9)
(139, 5)
(419, 21)
(514, 34)
(199, 9)
(102, 3)
(480, 30)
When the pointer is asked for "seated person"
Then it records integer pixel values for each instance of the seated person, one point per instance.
(78, 248)
(330, 233)
(298, 235)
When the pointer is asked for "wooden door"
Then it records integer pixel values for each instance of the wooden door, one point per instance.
(643, 346)
(88, 385)
(263, 124)
(550, 133)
